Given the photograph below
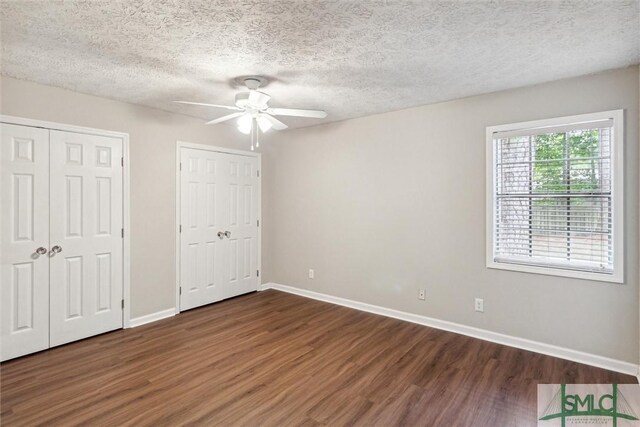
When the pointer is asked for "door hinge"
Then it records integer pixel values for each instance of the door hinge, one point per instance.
(258, 173)
(180, 228)
(180, 290)
(257, 273)
(180, 165)
(122, 303)
(258, 222)
(122, 161)
(122, 232)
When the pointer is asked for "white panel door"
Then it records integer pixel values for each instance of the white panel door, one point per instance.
(24, 276)
(202, 217)
(86, 224)
(219, 231)
(241, 239)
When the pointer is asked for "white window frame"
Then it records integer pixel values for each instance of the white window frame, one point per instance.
(617, 190)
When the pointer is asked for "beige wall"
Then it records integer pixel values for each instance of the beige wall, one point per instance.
(382, 205)
(379, 206)
(153, 135)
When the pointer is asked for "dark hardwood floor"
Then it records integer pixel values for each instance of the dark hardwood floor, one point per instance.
(274, 359)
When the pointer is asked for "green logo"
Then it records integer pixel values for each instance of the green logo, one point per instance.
(565, 405)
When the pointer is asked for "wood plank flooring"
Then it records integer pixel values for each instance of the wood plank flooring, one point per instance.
(274, 359)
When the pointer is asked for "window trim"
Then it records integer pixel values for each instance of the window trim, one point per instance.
(617, 190)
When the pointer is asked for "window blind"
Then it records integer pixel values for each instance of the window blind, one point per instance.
(553, 197)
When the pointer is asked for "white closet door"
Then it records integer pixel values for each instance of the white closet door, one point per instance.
(24, 276)
(241, 270)
(202, 199)
(219, 201)
(86, 224)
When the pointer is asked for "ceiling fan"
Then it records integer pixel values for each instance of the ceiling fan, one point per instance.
(253, 111)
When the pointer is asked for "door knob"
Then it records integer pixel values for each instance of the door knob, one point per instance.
(220, 234)
(227, 233)
(41, 250)
(56, 249)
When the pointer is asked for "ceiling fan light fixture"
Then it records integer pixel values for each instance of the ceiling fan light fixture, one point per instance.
(245, 123)
(264, 124)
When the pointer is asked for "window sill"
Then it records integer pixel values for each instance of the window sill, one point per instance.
(616, 277)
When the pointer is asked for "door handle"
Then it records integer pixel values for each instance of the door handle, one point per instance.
(227, 233)
(56, 249)
(220, 234)
(41, 250)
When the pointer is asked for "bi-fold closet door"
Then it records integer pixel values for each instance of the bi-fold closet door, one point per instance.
(62, 248)
(219, 229)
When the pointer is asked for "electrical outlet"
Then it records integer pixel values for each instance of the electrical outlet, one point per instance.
(479, 305)
(311, 274)
(421, 294)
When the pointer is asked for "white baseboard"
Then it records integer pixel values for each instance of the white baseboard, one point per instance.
(143, 320)
(525, 344)
(265, 286)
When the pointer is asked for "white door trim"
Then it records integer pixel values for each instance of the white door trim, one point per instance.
(183, 144)
(126, 250)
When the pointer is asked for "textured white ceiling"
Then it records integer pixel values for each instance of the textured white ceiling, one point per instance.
(351, 58)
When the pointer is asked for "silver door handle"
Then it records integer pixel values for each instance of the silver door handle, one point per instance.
(56, 249)
(220, 234)
(227, 233)
(41, 250)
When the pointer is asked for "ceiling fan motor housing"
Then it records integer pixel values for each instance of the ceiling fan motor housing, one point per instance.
(243, 100)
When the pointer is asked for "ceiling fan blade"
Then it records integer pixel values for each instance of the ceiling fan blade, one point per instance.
(316, 114)
(228, 107)
(224, 118)
(258, 98)
(277, 124)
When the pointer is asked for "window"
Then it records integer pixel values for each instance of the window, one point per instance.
(554, 196)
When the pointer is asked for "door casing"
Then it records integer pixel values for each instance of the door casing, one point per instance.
(183, 144)
(126, 250)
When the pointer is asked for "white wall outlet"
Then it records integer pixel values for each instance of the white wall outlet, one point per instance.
(479, 305)
(421, 294)
(311, 273)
